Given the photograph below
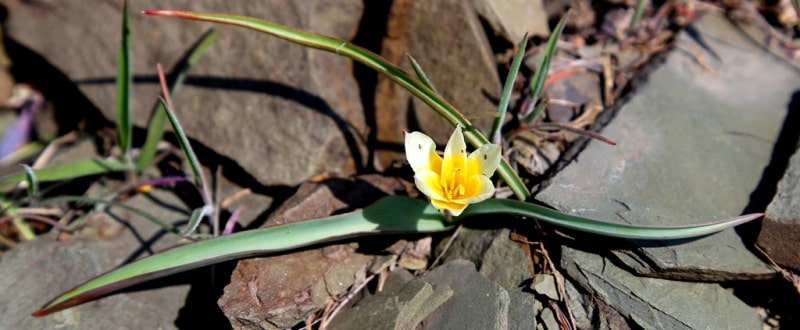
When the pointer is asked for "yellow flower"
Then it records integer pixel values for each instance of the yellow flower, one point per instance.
(457, 180)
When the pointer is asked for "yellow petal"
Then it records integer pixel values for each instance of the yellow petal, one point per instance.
(428, 183)
(454, 207)
(486, 189)
(420, 148)
(455, 153)
(488, 156)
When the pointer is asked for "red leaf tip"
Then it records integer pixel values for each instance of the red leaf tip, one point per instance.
(158, 12)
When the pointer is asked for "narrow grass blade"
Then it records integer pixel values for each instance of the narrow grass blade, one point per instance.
(155, 128)
(637, 15)
(124, 82)
(33, 184)
(194, 220)
(507, 206)
(497, 126)
(370, 59)
(185, 145)
(537, 83)
(25, 230)
(389, 215)
(72, 170)
(421, 76)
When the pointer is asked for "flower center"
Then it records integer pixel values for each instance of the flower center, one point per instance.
(453, 183)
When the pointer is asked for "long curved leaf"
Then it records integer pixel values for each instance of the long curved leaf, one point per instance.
(508, 206)
(389, 215)
(370, 59)
(394, 214)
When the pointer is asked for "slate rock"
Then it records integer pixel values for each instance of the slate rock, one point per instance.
(36, 271)
(402, 304)
(780, 231)
(690, 150)
(283, 112)
(495, 255)
(656, 303)
(281, 291)
(477, 302)
(456, 297)
(447, 39)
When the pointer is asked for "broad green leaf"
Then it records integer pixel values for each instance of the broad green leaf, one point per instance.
(155, 128)
(370, 59)
(389, 215)
(185, 145)
(537, 83)
(497, 125)
(72, 170)
(124, 82)
(508, 206)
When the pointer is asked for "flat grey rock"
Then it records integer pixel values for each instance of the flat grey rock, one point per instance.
(495, 255)
(477, 302)
(692, 147)
(35, 272)
(656, 303)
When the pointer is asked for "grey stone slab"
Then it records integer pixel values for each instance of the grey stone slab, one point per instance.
(34, 272)
(657, 303)
(477, 302)
(497, 257)
(692, 147)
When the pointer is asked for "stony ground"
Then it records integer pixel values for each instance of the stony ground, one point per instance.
(703, 104)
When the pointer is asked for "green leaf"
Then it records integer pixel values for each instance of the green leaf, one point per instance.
(507, 89)
(197, 216)
(637, 15)
(537, 83)
(155, 128)
(72, 170)
(609, 229)
(124, 82)
(370, 59)
(25, 230)
(185, 145)
(33, 184)
(420, 74)
(389, 215)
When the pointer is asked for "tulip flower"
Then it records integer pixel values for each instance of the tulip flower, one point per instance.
(457, 180)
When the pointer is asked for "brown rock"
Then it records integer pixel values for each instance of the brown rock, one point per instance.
(448, 41)
(281, 291)
(780, 231)
(283, 112)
